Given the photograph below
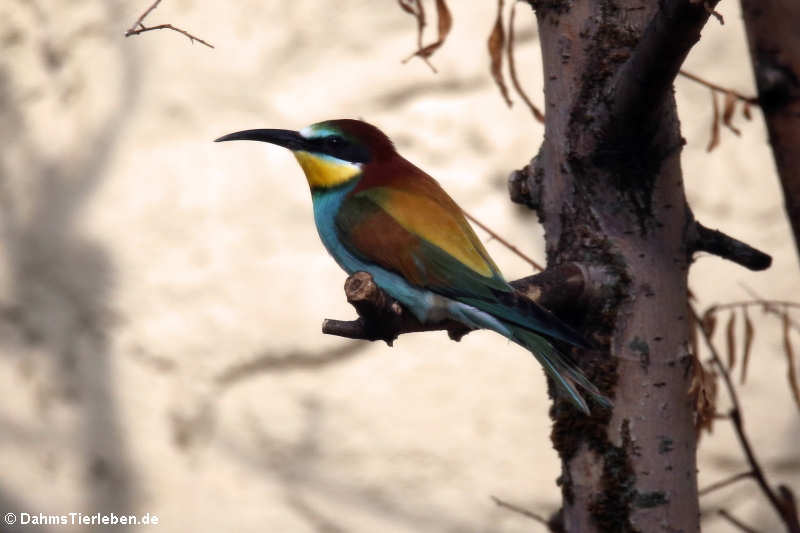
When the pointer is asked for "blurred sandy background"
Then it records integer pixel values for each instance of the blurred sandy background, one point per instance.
(161, 296)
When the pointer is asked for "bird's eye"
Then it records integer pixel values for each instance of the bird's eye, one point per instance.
(334, 141)
(341, 148)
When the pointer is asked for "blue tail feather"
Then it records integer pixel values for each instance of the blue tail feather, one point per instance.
(563, 371)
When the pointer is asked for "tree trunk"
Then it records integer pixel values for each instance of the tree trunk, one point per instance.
(774, 40)
(611, 195)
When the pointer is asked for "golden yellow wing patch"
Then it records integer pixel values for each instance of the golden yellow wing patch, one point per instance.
(426, 218)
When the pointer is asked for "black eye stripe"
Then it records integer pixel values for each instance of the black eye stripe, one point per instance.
(341, 148)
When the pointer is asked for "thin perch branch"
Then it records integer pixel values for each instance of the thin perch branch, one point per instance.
(380, 317)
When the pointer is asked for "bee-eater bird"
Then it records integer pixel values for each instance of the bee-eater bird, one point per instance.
(376, 212)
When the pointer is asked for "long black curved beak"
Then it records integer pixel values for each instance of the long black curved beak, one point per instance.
(286, 138)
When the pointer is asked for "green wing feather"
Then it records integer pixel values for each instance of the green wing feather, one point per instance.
(371, 229)
(414, 250)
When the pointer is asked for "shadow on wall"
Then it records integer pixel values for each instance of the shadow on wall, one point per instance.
(57, 314)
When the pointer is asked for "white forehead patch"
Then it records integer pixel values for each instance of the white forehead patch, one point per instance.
(314, 132)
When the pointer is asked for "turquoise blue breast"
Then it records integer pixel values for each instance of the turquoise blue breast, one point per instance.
(326, 205)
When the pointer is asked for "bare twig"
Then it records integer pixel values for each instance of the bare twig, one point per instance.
(142, 17)
(758, 303)
(520, 510)
(713, 141)
(168, 27)
(736, 522)
(504, 242)
(725, 482)
(139, 27)
(512, 68)
(783, 505)
(769, 305)
(753, 100)
(717, 243)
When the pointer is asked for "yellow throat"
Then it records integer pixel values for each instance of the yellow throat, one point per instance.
(324, 172)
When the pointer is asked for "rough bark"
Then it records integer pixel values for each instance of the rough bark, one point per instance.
(774, 40)
(611, 194)
(607, 185)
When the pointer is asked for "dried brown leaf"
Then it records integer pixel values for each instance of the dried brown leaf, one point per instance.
(417, 10)
(703, 391)
(694, 327)
(512, 69)
(408, 6)
(714, 140)
(444, 25)
(728, 109)
(730, 334)
(746, 110)
(445, 19)
(495, 44)
(710, 321)
(791, 372)
(749, 333)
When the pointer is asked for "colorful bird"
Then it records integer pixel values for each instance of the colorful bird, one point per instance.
(376, 212)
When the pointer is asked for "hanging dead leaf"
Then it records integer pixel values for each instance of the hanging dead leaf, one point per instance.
(787, 346)
(714, 140)
(409, 6)
(417, 10)
(495, 44)
(730, 334)
(512, 69)
(746, 110)
(709, 322)
(749, 333)
(727, 112)
(703, 392)
(444, 25)
(694, 326)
